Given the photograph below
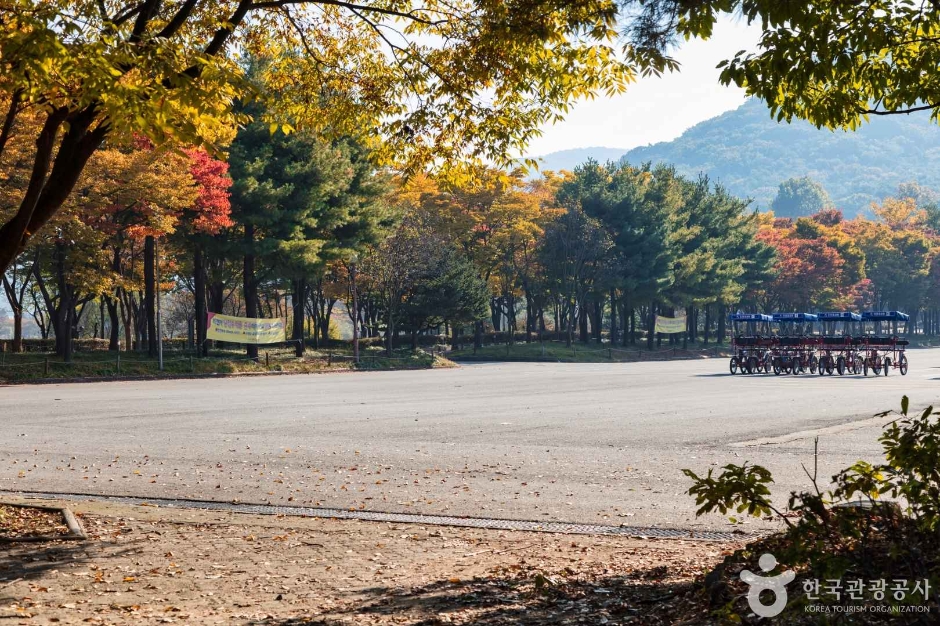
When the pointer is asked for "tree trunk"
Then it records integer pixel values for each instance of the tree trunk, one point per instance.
(65, 311)
(722, 318)
(150, 294)
(127, 317)
(708, 321)
(17, 330)
(511, 322)
(689, 317)
(390, 335)
(582, 323)
(652, 325)
(114, 342)
(297, 303)
(613, 317)
(250, 285)
(597, 316)
(199, 295)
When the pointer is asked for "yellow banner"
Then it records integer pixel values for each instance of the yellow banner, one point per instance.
(245, 329)
(670, 324)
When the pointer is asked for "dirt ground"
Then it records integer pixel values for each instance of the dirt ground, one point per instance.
(147, 565)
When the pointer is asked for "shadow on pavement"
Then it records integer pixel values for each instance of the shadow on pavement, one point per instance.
(522, 597)
(30, 561)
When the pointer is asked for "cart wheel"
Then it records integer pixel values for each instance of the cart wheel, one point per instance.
(777, 366)
(902, 365)
(876, 366)
(795, 366)
(752, 365)
(830, 365)
(813, 364)
(733, 366)
(822, 365)
(840, 365)
(887, 365)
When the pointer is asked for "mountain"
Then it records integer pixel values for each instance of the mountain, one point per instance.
(570, 159)
(751, 154)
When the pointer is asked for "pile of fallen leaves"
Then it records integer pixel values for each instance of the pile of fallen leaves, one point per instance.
(19, 522)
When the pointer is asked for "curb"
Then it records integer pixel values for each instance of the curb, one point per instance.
(116, 379)
(76, 532)
(545, 526)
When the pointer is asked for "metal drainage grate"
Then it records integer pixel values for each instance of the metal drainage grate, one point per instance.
(408, 518)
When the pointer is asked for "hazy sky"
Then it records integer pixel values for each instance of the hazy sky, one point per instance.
(657, 109)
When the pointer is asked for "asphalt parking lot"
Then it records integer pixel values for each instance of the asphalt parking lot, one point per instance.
(593, 443)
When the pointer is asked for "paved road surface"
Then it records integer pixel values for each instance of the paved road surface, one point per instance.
(601, 443)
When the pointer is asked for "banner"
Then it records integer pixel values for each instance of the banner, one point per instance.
(670, 324)
(244, 329)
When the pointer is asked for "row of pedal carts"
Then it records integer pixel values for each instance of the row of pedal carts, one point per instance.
(839, 342)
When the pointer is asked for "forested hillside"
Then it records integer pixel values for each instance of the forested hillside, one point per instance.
(751, 154)
(570, 159)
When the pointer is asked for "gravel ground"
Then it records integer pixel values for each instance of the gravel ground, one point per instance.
(145, 565)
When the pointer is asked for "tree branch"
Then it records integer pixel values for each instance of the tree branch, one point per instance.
(410, 15)
(147, 11)
(10, 117)
(926, 107)
(178, 20)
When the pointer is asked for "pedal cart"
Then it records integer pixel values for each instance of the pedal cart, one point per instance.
(841, 337)
(882, 344)
(796, 347)
(751, 343)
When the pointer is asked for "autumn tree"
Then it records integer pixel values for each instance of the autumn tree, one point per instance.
(421, 83)
(205, 218)
(133, 193)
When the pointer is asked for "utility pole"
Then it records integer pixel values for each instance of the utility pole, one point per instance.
(355, 299)
(156, 263)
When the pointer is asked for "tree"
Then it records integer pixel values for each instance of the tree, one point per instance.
(834, 65)
(396, 267)
(302, 203)
(205, 218)
(799, 197)
(16, 282)
(421, 83)
(133, 193)
(621, 197)
(448, 290)
(575, 253)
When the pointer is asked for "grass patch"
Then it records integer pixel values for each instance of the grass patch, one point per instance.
(29, 367)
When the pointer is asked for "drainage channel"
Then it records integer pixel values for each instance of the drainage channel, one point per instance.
(405, 518)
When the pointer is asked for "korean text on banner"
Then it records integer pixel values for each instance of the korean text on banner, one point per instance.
(670, 324)
(244, 329)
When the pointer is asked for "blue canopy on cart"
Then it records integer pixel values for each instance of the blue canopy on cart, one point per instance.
(885, 316)
(794, 317)
(750, 317)
(839, 315)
